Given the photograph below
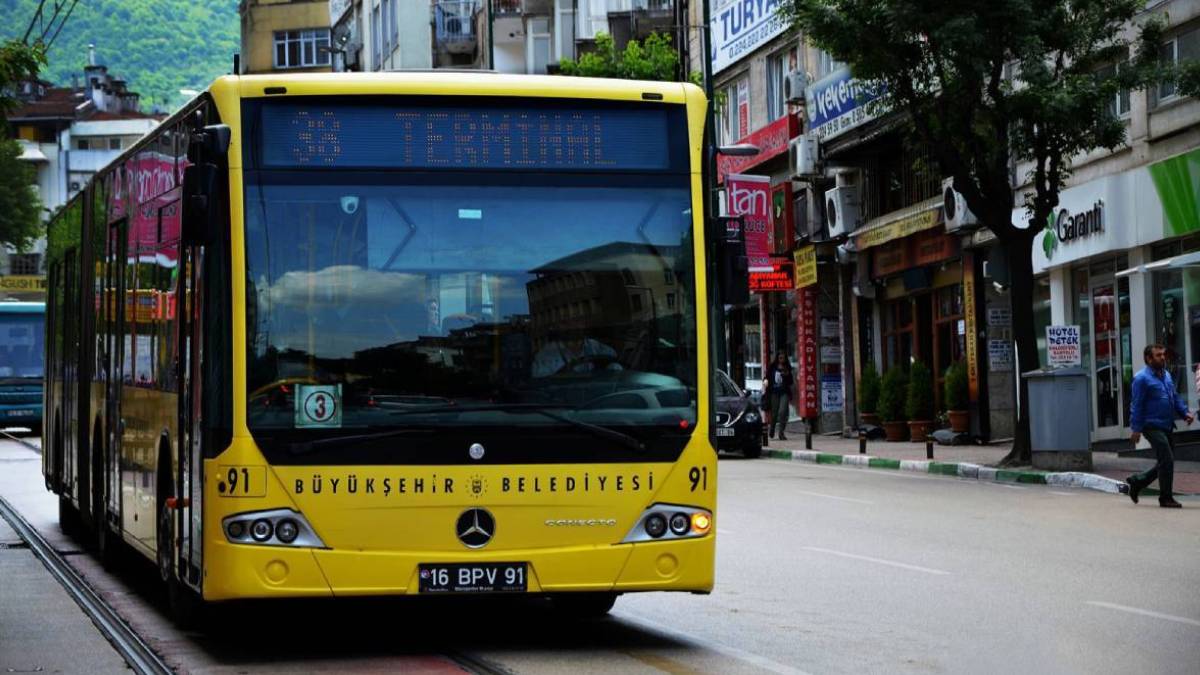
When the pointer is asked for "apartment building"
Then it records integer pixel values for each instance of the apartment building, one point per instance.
(285, 36)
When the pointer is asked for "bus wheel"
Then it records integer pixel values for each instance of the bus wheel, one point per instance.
(585, 605)
(68, 516)
(185, 606)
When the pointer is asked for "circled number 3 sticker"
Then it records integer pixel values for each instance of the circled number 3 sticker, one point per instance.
(319, 405)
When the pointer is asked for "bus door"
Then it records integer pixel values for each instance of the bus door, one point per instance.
(70, 371)
(189, 482)
(116, 344)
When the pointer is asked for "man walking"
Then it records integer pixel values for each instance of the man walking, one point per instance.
(1153, 411)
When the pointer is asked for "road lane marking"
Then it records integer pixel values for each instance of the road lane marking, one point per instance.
(879, 561)
(723, 531)
(1063, 494)
(725, 650)
(1145, 612)
(840, 499)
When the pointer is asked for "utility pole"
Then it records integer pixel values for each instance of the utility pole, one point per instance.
(491, 46)
(717, 318)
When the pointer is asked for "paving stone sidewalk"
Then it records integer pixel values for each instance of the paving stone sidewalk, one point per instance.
(1108, 464)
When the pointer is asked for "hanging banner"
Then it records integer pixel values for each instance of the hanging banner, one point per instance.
(808, 400)
(750, 198)
(806, 266)
(971, 334)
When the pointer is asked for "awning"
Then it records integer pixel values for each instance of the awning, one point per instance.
(31, 153)
(919, 217)
(1178, 262)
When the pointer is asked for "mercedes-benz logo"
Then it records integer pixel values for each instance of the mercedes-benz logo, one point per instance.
(475, 528)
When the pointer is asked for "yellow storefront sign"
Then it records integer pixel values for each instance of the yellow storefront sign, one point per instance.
(25, 283)
(897, 229)
(806, 266)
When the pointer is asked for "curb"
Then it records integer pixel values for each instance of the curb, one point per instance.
(1064, 479)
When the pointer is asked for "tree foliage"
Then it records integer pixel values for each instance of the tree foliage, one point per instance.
(20, 207)
(892, 395)
(654, 59)
(18, 62)
(157, 46)
(986, 84)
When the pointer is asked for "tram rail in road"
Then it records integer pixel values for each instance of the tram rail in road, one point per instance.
(128, 644)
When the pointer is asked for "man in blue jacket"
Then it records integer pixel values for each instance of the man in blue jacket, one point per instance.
(1153, 411)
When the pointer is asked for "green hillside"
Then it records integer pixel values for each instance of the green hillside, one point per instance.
(157, 46)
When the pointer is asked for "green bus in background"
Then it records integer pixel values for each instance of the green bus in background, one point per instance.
(22, 360)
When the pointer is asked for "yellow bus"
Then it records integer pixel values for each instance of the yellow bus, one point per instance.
(395, 334)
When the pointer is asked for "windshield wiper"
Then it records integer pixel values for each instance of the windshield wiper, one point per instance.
(305, 447)
(546, 410)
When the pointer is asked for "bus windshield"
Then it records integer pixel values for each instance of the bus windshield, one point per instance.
(397, 298)
(21, 345)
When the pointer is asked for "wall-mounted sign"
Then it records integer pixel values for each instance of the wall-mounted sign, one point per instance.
(831, 394)
(999, 317)
(771, 141)
(739, 27)
(967, 327)
(750, 197)
(806, 266)
(1066, 227)
(899, 228)
(22, 283)
(780, 278)
(838, 103)
(1063, 346)
(1000, 355)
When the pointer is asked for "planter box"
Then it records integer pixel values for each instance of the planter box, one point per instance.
(896, 431)
(919, 430)
(960, 420)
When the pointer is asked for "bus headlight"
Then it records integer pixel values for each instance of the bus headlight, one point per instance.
(277, 527)
(665, 522)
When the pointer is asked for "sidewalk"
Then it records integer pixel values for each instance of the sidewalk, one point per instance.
(1107, 464)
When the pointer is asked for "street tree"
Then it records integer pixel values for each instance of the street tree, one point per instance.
(20, 207)
(994, 86)
(18, 62)
(653, 59)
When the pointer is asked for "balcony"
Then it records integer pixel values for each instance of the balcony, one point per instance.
(456, 24)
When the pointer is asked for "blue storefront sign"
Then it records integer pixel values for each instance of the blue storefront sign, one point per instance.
(837, 103)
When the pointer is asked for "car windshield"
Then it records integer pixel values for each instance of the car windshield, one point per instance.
(21, 345)
(392, 299)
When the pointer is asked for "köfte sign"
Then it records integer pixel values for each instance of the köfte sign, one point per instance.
(837, 103)
(780, 278)
(741, 26)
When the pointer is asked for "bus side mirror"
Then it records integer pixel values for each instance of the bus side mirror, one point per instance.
(216, 140)
(199, 183)
(733, 270)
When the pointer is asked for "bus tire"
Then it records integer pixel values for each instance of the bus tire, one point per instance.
(68, 516)
(590, 605)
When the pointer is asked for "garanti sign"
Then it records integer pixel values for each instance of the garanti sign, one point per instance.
(741, 26)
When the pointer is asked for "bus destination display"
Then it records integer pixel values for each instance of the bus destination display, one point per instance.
(396, 137)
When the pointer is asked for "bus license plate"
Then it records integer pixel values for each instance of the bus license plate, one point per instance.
(725, 431)
(473, 578)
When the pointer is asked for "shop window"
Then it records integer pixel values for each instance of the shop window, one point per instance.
(898, 330)
(1126, 346)
(950, 339)
(1082, 313)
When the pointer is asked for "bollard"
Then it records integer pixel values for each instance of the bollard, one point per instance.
(928, 448)
(808, 435)
(862, 441)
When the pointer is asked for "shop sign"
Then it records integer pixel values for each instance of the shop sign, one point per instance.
(1066, 227)
(889, 260)
(1000, 355)
(741, 26)
(771, 141)
(898, 229)
(1063, 346)
(22, 283)
(780, 278)
(831, 328)
(831, 394)
(933, 246)
(807, 403)
(971, 334)
(806, 266)
(838, 103)
(999, 317)
(749, 197)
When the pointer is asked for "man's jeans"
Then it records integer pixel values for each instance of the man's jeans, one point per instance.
(1164, 445)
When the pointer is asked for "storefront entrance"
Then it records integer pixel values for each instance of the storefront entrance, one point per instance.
(1103, 314)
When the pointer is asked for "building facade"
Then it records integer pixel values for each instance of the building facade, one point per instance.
(67, 134)
(285, 35)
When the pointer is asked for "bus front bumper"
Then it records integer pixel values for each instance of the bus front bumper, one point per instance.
(234, 571)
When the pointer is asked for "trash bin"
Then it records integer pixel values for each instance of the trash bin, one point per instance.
(1060, 418)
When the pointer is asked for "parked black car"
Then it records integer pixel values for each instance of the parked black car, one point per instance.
(739, 423)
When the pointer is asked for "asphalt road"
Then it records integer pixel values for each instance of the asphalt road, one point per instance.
(820, 570)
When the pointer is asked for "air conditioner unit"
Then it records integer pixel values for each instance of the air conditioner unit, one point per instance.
(954, 208)
(794, 84)
(802, 156)
(841, 210)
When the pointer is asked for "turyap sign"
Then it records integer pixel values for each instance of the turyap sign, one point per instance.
(1115, 213)
(838, 103)
(1065, 227)
(741, 26)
